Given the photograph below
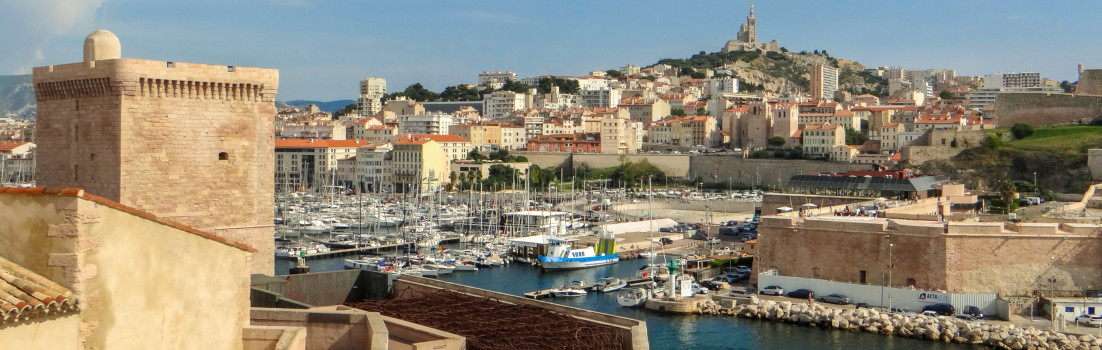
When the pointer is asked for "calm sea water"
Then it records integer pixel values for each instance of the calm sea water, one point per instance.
(665, 331)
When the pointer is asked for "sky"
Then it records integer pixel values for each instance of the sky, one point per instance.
(322, 48)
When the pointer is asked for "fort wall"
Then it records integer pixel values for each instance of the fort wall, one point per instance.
(187, 142)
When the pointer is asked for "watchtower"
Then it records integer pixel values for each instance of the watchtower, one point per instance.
(189, 142)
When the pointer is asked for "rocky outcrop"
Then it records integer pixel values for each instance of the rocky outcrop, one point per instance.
(941, 329)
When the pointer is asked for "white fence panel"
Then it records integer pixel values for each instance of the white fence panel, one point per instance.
(909, 299)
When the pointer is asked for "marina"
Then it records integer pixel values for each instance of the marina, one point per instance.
(666, 331)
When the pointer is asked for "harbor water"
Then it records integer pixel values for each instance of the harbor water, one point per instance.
(665, 331)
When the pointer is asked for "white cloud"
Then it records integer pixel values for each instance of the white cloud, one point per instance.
(32, 24)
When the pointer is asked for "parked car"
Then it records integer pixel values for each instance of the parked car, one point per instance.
(712, 284)
(738, 292)
(772, 290)
(801, 294)
(742, 268)
(1091, 320)
(930, 313)
(698, 289)
(973, 311)
(835, 299)
(968, 318)
(944, 309)
(862, 306)
(738, 276)
(665, 240)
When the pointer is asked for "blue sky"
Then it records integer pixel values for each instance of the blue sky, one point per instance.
(323, 48)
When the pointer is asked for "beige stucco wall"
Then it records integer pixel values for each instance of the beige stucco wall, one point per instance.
(141, 284)
(152, 286)
(51, 333)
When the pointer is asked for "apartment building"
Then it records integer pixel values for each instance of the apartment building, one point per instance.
(370, 100)
(574, 143)
(417, 166)
(820, 140)
(371, 173)
(495, 79)
(306, 163)
(824, 82)
(501, 104)
(433, 123)
(645, 111)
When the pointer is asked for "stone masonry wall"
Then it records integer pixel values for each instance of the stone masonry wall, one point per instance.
(1045, 109)
(187, 142)
(970, 259)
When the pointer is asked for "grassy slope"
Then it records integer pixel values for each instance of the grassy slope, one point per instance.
(1072, 141)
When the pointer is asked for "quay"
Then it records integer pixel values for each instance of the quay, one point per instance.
(336, 253)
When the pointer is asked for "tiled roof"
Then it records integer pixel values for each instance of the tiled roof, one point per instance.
(25, 295)
(8, 146)
(306, 143)
(439, 138)
(79, 193)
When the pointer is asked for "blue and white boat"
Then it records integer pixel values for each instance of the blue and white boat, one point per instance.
(562, 256)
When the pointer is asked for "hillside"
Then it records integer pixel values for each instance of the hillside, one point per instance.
(17, 96)
(1058, 156)
(780, 71)
(330, 106)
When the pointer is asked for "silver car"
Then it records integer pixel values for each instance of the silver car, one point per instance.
(835, 299)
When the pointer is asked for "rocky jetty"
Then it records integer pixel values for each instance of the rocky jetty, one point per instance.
(943, 329)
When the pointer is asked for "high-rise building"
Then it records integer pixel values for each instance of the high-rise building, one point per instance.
(184, 141)
(371, 96)
(824, 82)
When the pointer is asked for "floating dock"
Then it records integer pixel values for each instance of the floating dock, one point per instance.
(539, 294)
(363, 250)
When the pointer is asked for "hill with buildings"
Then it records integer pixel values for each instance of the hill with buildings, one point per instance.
(330, 106)
(17, 96)
(777, 71)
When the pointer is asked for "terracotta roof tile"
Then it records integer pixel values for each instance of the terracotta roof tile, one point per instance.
(10, 145)
(307, 143)
(79, 193)
(25, 295)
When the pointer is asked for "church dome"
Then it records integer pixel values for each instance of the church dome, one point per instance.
(102, 45)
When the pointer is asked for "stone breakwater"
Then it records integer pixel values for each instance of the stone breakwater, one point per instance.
(942, 329)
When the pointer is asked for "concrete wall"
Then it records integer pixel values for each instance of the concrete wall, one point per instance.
(141, 283)
(46, 333)
(759, 172)
(329, 328)
(546, 159)
(274, 338)
(1045, 109)
(150, 134)
(322, 288)
(1094, 162)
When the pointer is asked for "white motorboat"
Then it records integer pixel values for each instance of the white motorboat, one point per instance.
(632, 297)
(441, 268)
(561, 256)
(466, 266)
(610, 284)
(565, 291)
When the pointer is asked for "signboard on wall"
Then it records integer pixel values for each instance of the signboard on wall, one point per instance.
(686, 288)
(931, 297)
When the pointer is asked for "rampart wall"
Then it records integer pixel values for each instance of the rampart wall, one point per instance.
(1012, 260)
(1045, 109)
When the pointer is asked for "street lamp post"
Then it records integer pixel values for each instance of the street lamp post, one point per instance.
(891, 266)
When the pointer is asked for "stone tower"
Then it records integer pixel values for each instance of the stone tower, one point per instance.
(187, 142)
(751, 26)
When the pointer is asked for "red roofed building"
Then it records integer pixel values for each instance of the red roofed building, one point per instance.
(305, 163)
(574, 143)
